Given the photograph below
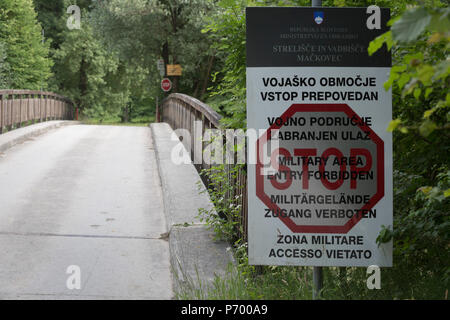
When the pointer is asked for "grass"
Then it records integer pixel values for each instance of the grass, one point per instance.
(278, 283)
(244, 282)
(115, 121)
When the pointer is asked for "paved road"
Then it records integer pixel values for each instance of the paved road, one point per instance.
(87, 196)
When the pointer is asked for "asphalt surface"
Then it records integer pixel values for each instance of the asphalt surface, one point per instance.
(89, 197)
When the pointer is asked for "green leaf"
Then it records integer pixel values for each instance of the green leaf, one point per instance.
(375, 44)
(393, 125)
(428, 113)
(404, 78)
(404, 130)
(339, 3)
(392, 21)
(426, 190)
(410, 87)
(411, 24)
(384, 236)
(389, 40)
(399, 68)
(378, 42)
(414, 56)
(416, 93)
(447, 193)
(428, 91)
(425, 73)
(393, 76)
(440, 21)
(427, 128)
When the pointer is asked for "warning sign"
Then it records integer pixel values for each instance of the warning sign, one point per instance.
(174, 70)
(166, 84)
(321, 188)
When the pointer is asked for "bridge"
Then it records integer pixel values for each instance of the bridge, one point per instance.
(101, 212)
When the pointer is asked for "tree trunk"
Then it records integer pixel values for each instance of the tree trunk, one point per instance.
(207, 76)
(125, 115)
(83, 83)
(165, 56)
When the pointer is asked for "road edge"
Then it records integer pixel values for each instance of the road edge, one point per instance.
(196, 258)
(20, 135)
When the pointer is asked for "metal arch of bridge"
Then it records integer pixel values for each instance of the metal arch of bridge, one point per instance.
(180, 111)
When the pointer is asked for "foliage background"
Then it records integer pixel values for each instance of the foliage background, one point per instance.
(108, 68)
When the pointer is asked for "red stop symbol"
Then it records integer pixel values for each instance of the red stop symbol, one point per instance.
(320, 168)
(166, 85)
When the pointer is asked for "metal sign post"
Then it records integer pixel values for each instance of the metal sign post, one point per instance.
(317, 271)
(157, 110)
(318, 282)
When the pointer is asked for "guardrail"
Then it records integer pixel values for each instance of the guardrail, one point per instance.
(22, 107)
(180, 111)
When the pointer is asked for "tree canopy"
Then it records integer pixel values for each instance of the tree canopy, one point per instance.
(24, 61)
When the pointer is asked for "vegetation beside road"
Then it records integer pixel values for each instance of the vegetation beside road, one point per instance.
(108, 67)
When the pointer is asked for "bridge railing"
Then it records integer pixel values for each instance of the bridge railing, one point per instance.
(181, 111)
(21, 107)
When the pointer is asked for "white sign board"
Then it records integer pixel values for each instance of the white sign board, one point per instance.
(161, 67)
(321, 188)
